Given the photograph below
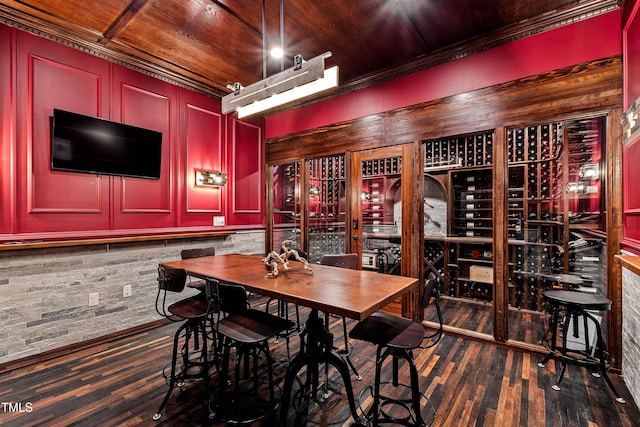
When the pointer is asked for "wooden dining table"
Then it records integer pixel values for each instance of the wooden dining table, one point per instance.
(350, 293)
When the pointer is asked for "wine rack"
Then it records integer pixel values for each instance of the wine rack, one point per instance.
(535, 212)
(461, 151)
(583, 182)
(381, 243)
(472, 202)
(382, 167)
(378, 176)
(327, 206)
(588, 260)
(551, 166)
(470, 265)
(434, 259)
(374, 209)
(286, 215)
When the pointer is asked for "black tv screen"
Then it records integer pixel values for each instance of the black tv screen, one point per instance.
(93, 145)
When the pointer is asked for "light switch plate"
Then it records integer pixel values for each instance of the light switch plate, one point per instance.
(94, 298)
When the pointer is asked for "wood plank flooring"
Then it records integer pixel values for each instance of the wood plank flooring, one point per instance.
(468, 383)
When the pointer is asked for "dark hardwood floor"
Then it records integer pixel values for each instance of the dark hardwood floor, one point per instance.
(468, 383)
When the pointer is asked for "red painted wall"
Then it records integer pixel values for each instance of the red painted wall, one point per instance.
(246, 173)
(631, 152)
(595, 38)
(631, 46)
(37, 75)
(7, 130)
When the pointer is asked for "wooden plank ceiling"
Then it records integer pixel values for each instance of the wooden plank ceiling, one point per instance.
(206, 44)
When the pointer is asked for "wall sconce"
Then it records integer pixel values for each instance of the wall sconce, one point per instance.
(576, 187)
(581, 187)
(205, 178)
(589, 171)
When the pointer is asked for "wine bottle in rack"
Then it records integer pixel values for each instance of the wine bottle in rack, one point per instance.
(444, 150)
(479, 150)
(488, 154)
(511, 145)
(436, 154)
(452, 151)
(532, 144)
(473, 214)
(460, 152)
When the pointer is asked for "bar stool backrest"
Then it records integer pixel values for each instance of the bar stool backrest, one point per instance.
(349, 261)
(430, 290)
(232, 298)
(197, 252)
(171, 279)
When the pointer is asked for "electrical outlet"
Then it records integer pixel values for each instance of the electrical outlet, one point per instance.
(94, 298)
(126, 291)
(218, 221)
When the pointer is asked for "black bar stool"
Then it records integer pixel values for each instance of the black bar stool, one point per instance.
(197, 253)
(396, 337)
(577, 307)
(248, 331)
(195, 313)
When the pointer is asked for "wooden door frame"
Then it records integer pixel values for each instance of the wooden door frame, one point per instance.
(412, 233)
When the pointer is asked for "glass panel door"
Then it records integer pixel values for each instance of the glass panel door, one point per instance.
(556, 218)
(535, 224)
(381, 207)
(327, 206)
(458, 230)
(286, 204)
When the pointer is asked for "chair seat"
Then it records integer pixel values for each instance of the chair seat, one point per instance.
(387, 330)
(252, 326)
(190, 308)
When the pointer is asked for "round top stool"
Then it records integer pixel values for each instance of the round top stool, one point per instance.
(396, 337)
(580, 300)
(578, 308)
(385, 329)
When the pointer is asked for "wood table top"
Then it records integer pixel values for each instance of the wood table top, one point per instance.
(351, 293)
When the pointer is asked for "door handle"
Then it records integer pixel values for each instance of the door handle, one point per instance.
(355, 237)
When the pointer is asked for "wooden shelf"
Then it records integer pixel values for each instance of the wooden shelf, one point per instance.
(167, 235)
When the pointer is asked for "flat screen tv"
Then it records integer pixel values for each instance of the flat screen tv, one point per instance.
(93, 145)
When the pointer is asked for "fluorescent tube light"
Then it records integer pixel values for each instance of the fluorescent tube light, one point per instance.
(329, 80)
(305, 78)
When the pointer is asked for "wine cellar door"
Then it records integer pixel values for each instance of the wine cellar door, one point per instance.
(376, 225)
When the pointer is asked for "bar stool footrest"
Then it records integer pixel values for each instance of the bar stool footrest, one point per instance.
(253, 407)
(398, 409)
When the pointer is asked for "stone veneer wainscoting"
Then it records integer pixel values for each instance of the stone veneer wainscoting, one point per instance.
(631, 332)
(45, 292)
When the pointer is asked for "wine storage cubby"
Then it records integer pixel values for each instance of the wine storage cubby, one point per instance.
(470, 267)
(472, 202)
